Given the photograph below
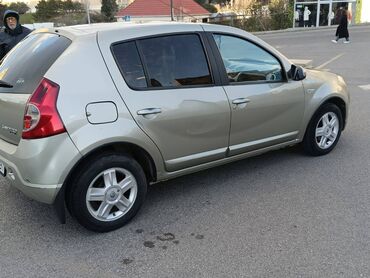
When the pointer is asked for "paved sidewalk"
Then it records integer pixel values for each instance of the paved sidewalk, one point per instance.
(311, 29)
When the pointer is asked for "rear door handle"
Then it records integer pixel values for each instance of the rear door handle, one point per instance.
(240, 101)
(149, 111)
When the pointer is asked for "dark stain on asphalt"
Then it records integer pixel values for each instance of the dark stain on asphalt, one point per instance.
(127, 261)
(166, 237)
(139, 231)
(170, 237)
(199, 236)
(149, 244)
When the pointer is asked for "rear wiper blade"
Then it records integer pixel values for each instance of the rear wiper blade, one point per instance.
(5, 84)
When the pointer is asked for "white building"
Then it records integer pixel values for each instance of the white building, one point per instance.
(325, 12)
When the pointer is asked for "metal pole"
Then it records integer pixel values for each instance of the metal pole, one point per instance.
(318, 13)
(171, 10)
(88, 11)
(330, 11)
(294, 10)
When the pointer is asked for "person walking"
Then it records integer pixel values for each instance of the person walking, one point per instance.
(338, 15)
(342, 29)
(12, 33)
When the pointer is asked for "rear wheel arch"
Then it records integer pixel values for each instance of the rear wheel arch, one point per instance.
(108, 191)
(129, 149)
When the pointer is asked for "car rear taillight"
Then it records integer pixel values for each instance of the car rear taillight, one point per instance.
(41, 118)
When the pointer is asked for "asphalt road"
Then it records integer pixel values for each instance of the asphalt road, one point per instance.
(281, 214)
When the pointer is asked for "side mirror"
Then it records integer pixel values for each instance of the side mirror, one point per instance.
(296, 73)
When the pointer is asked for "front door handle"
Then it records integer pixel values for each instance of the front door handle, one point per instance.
(240, 101)
(149, 111)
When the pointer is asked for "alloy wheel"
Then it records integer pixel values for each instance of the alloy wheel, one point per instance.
(111, 194)
(327, 130)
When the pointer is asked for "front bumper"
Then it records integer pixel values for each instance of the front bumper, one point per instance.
(39, 167)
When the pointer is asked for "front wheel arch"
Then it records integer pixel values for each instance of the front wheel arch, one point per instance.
(309, 144)
(341, 105)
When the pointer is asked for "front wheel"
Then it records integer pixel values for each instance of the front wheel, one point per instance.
(323, 131)
(108, 192)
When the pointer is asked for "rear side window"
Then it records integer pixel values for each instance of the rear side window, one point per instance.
(28, 62)
(175, 61)
(128, 60)
(166, 61)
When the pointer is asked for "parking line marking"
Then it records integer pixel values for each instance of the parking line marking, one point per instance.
(331, 60)
(365, 87)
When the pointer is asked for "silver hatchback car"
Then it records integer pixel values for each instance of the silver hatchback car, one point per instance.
(90, 115)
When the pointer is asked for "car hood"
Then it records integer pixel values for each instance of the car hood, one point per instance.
(321, 85)
(319, 78)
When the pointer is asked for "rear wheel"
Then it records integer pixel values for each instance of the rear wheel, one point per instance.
(108, 192)
(323, 131)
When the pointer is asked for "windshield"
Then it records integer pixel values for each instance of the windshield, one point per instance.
(25, 65)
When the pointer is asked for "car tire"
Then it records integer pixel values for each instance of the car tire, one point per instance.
(323, 131)
(108, 192)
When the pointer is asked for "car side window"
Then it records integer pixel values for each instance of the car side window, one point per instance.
(129, 63)
(247, 62)
(175, 61)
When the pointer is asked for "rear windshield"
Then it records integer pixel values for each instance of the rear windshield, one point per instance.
(26, 64)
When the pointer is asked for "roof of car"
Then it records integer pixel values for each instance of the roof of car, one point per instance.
(102, 27)
(86, 29)
(111, 31)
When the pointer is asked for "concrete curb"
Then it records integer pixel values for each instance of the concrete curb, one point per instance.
(313, 29)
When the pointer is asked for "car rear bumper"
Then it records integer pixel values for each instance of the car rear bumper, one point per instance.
(39, 167)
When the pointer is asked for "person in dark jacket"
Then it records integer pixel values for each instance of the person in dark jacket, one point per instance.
(342, 30)
(12, 33)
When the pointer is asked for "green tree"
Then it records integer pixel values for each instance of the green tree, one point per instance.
(43, 12)
(281, 14)
(20, 7)
(69, 7)
(78, 7)
(109, 9)
(55, 10)
(96, 17)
